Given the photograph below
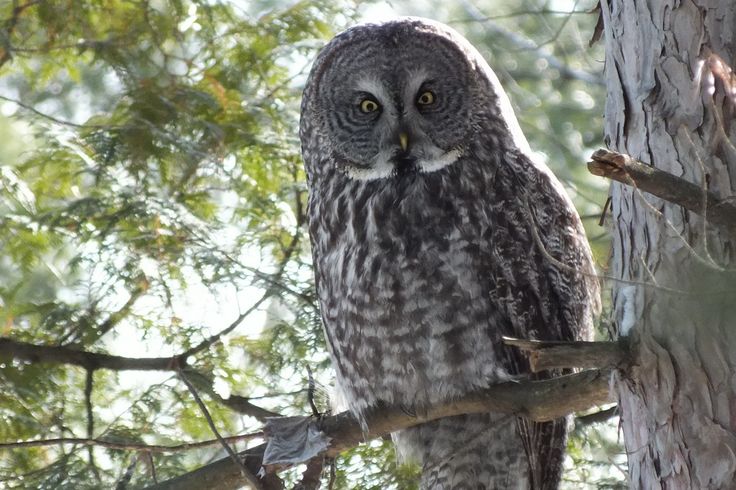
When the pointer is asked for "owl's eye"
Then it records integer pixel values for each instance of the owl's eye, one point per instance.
(426, 98)
(368, 105)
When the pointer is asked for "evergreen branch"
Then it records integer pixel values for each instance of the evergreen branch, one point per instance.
(627, 170)
(10, 25)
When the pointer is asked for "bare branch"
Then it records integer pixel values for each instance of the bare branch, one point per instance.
(624, 169)
(596, 417)
(538, 400)
(129, 446)
(240, 404)
(542, 400)
(551, 355)
(48, 354)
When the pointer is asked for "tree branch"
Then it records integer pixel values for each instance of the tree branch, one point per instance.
(129, 446)
(538, 400)
(624, 169)
(48, 354)
(551, 355)
(596, 417)
(247, 475)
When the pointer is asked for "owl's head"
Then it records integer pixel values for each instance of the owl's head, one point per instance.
(402, 97)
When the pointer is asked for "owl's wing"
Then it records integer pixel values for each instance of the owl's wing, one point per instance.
(544, 284)
(540, 260)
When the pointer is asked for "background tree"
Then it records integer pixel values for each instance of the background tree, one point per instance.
(670, 104)
(151, 205)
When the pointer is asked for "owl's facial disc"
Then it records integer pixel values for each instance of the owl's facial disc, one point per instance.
(398, 120)
(404, 113)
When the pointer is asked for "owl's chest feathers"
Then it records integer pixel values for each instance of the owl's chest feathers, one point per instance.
(405, 288)
(384, 238)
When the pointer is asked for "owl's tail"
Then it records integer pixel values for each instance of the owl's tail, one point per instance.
(486, 451)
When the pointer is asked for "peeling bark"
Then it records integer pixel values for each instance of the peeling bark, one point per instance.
(670, 105)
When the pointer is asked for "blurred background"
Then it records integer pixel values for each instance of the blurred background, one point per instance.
(152, 203)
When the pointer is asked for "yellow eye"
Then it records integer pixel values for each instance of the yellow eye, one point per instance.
(368, 105)
(425, 98)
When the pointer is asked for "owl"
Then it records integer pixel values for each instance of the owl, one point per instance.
(434, 233)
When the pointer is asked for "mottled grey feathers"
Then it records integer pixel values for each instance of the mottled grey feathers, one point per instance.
(426, 254)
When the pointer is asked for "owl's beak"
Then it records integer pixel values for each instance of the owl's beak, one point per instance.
(403, 141)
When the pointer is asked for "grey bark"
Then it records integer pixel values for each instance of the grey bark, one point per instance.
(670, 104)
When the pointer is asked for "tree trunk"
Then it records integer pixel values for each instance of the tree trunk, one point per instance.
(670, 104)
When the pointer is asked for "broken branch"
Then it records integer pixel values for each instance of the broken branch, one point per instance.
(627, 170)
(556, 354)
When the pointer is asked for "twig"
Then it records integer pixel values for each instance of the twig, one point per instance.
(126, 477)
(205, 344)
(88, 386)
(494, 29)
(624, 169)
(551, 355)
(312, 475)
(596, 417)
(310, 393)
(50, 117)
(247, 475)
(129, 446)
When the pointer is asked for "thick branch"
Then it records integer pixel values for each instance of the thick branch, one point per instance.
(624, 169)
(538, 400)
(49, 354)
(551, 355)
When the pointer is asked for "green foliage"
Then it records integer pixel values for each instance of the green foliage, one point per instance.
(151, 189)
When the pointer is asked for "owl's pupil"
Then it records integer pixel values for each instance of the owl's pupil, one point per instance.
(426, 98)
(368, 105)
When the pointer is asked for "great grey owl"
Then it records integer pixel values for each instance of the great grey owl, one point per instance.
(434, 234)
